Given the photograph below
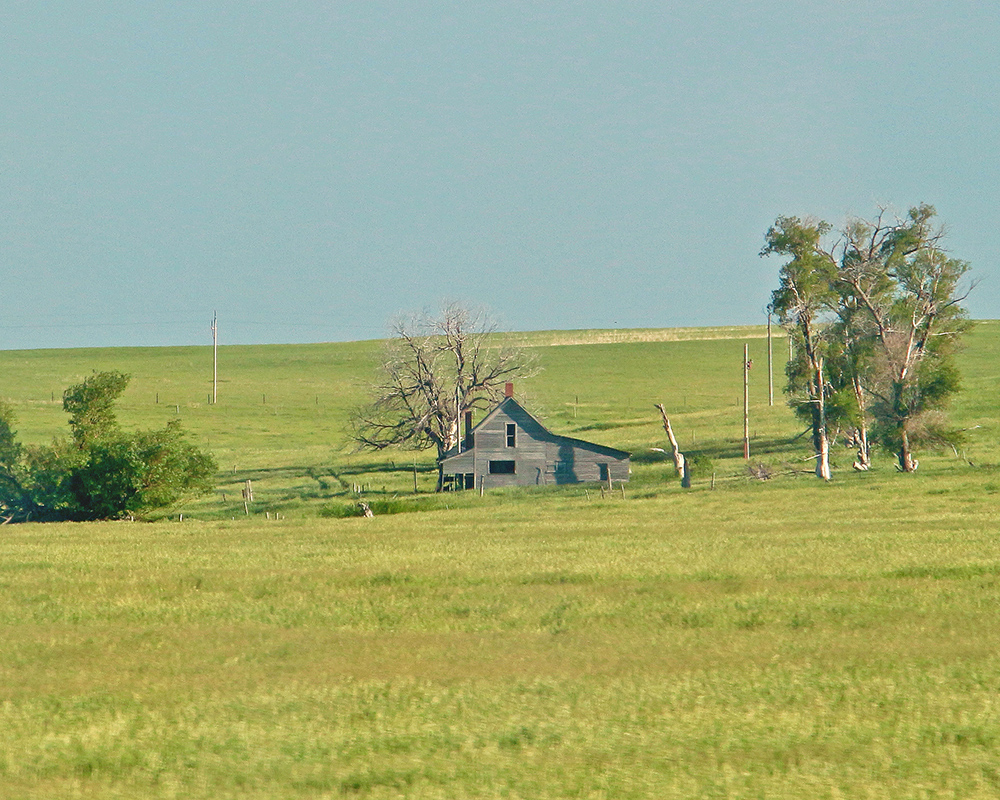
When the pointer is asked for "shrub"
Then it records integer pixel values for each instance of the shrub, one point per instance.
(101, 472)
(699, 464)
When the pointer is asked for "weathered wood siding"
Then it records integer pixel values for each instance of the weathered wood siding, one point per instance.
(539, 457)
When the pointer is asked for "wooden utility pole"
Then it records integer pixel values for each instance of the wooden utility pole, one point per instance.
(746, 401)
(215, 357)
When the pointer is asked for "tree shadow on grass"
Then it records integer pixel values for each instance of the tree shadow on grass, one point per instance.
(381, 467)
(760, 448)
(316, 471)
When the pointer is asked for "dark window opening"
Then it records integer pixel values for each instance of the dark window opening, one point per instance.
(511, 434)
(604, 471)
(502, 468)
(470, 480)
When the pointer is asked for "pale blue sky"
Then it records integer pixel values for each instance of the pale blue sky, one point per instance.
(309, 169)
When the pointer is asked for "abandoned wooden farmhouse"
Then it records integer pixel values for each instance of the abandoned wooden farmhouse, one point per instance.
(509, 447)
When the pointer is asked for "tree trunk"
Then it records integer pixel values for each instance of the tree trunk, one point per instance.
(451, 435)
(823, 459)
(820, 438)
(680, 463)
(907, 463)
(864, 461)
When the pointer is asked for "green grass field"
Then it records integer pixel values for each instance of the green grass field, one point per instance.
(759, 639)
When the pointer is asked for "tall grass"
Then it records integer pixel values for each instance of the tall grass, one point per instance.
(759, 639)
(732, 643)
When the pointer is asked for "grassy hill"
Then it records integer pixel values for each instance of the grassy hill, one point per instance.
(778, 639)
(282, 418)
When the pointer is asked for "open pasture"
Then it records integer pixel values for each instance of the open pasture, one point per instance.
(762, 639)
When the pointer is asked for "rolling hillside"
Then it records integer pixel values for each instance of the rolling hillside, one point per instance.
(283, 413)
(780, 639)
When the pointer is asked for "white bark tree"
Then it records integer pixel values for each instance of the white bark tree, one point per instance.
(906, 288)
(803, 300)
(879, 309)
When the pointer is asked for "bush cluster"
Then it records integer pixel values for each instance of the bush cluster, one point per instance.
(100, 471)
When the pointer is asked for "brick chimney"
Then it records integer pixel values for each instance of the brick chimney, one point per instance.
(508, 390)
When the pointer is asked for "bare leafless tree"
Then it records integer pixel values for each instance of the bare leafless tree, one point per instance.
(433, 369)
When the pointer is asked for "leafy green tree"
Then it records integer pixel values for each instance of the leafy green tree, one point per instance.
(908, 300)
(13, 496)
(10, 449)
(877, 317)
(91, 406)
(803, 299)
(849, 358)
(101, 472)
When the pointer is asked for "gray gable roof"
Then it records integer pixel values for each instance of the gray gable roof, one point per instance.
(511, 408)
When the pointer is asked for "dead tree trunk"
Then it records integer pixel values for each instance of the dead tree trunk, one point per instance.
(907, 463)
(680, 463)
(821, 440)
(864, 461)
